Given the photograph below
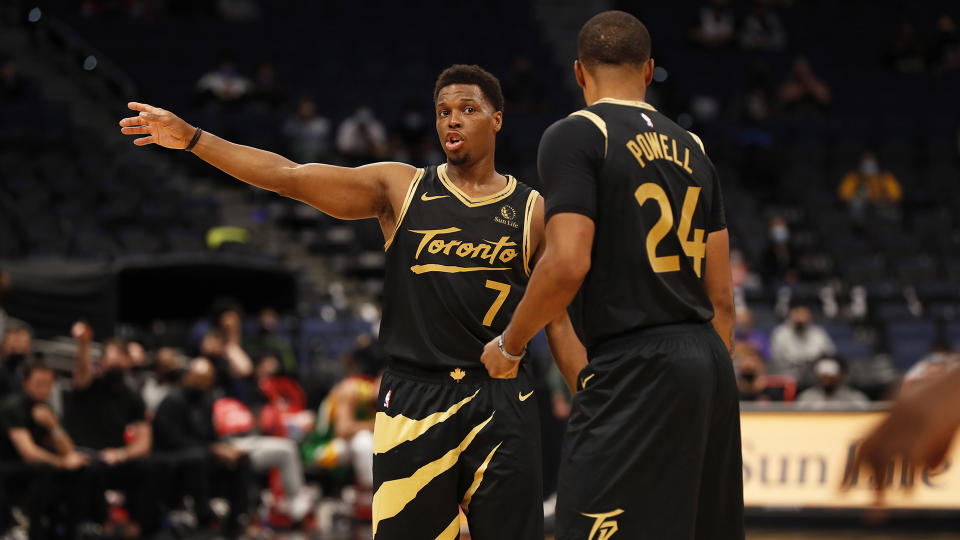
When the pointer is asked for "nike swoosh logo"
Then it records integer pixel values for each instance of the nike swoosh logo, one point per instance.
(524, 397)
(426, 197)
(583, 381)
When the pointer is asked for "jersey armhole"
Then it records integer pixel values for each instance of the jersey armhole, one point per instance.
(411, 189)
(597, 121)
(699, 142)
(527, 219)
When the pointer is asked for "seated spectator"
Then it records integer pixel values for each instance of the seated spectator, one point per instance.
(715, 24)
(871, 191)
(197, 464)
(270, 338)
(830, 390)
(167, 370)
(224, 84)
(945, 51)
(522, 89)
(746, 333)
(762, 29)
(344, 432)
(907, 53)
(265, 89)
(413, 130)
(39, 461)
(797, 343)
(15, 349)
(102, 415)
(12, 85)
(803, 91)
(361, 138)
(308, 134)
(283, 412)
(779, 260)
(751, 379)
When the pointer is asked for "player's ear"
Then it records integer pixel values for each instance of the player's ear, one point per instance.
(648, 68)
(497, 121)
(578, 72)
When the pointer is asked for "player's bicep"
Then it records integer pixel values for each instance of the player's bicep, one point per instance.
(569, 238)
(345, 192)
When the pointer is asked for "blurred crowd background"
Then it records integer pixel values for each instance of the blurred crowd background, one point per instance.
(196, 340)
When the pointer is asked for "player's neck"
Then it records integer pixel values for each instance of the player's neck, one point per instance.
(622, 92)
(476, 176)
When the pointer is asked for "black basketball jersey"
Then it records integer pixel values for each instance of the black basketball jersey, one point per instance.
(654, 197)
(456, 269)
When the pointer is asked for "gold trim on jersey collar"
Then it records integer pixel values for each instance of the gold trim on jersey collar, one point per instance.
(628, 103)
(475, 201)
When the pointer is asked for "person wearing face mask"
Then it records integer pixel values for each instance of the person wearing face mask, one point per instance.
(100, 414)
(750, 376)
(797, 343)
(830, 390)
(194, 462)
(779, 260)
(15, 349)
(871, 190)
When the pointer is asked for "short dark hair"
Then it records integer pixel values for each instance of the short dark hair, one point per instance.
(33, 365)
(613, 38)
(471, 74)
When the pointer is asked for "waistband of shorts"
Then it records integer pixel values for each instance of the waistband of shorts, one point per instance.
(442, 375)
(633, 337)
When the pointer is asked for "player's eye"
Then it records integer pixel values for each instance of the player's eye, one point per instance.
(469, 110)
(444, 112)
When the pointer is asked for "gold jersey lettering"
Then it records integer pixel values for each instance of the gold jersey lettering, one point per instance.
(489, 251)
(649, 146)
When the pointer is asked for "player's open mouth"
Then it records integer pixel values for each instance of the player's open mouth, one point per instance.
(453, 142)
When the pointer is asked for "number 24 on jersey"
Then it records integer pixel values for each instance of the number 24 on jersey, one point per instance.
(694, 248)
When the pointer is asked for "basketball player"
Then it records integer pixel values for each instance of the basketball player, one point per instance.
(635, 223)
(461, 240)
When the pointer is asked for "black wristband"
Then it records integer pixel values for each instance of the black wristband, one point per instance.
(193, 142)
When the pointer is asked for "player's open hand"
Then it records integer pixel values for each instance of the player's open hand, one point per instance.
(498, 365)
(160, 126)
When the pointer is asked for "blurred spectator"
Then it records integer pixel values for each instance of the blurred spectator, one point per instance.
(762, 29)
(413, 130)
(15, 350)
(743, 278)
(39, 462)
(12, 85)
(344, 432)
(266, 90)
(751, 378)
(756, 104)
(187, 441)
(746, 333)
(941, 358)
(239, 11)
(271, 338)
(830, 390)
(945, 50)
(102, 415)
(803, 91)
(284, 413)
(522, 89)
(224, 345)
(4, 287)
(797, 343)
(779, 259)
(167, 370)
(907, 54)
(308, 134)
(715, 24)
(871, 191)
(224, 83)
(361, 137)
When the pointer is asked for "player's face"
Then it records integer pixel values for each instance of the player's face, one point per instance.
(466, 123)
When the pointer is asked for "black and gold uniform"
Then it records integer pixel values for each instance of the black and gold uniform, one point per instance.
(446, 434)
(652, 448)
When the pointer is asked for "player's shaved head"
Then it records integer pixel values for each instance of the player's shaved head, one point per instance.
(613, 38)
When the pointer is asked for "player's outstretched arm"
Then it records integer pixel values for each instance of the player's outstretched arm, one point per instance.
(718, 282)
(342, 192)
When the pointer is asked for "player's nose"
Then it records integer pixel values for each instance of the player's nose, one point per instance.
(454, 119)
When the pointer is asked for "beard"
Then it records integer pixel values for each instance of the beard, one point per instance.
(458, 161)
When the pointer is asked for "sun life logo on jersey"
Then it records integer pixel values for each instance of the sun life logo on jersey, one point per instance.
(604, 528)
(647, 119)
(507, 216)
(386, 400)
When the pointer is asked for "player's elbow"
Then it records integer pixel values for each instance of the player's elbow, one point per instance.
(288, 180)
(571, 270)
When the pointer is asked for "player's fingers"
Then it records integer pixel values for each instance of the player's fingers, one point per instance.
(142, 107)
(143, 141)
(132, 121)
(135, 130)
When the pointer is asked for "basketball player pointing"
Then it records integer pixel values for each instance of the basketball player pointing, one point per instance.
(460, 242)
(637, 241)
